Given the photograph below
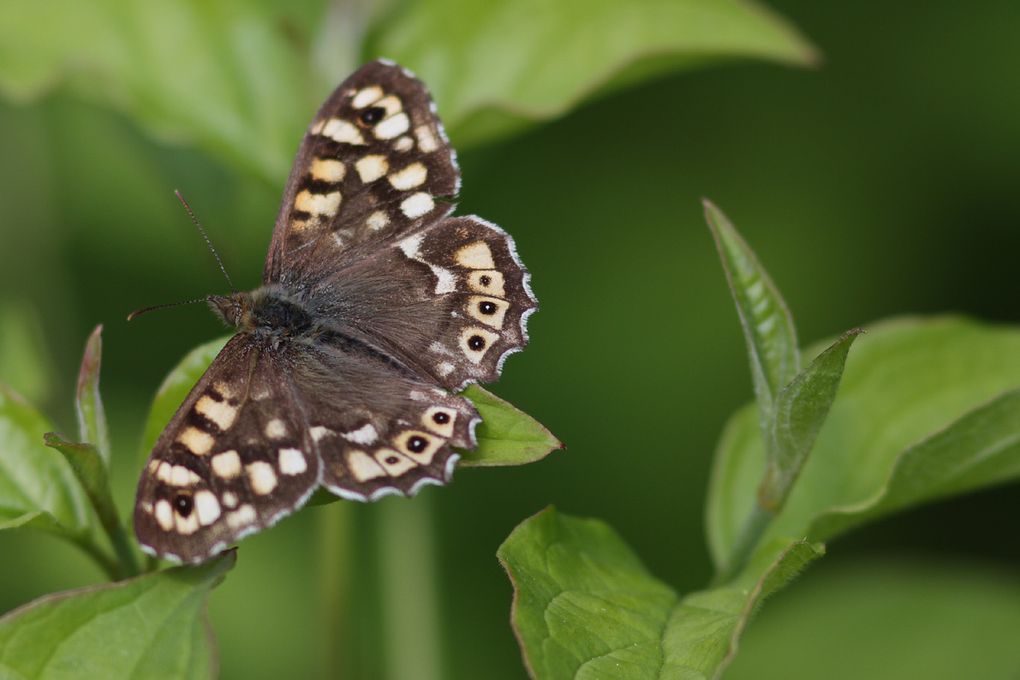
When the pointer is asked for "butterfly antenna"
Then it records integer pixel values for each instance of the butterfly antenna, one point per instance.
(138, 312)
(191, 214)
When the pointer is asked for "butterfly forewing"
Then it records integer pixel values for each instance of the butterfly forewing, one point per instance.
(374, 162)
(235, 458)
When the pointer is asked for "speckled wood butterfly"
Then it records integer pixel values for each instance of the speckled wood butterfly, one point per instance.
(375, 308)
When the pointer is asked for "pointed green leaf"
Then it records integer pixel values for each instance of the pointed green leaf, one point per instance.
(906, 381)
(37, 486)
(88, 405)
(506, 435)
(152, 626)
(507, 63)
(90, 469)
(766, 321)
(585, 607)
(800, 412)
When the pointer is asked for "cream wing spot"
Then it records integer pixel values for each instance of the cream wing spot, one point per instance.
(414, 175)
(219, 412)
(207, 507)
(241, 517)
(292, 461)
(276, 429)
(195, 440)
(227, 464)
(475, 256)
(229, 499)
(390, 103)
(444, 368)
(364, 435)
(440, 420)
(261, 477)
(490, 311)
(489, 282)
(391, 127)
(403, 144)
(417, 205)
(165, 472)
(366, 96)
(475, 342)
(394, 463)
(371, 167)
(327, 170)
(318, 204)
(182, 476)
(426, 139)
(342, 131)
(362, 467)
(164, 515)
(377, 220)
(319, 432)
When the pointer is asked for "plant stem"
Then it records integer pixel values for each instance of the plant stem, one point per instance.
(750, 534)
(122, 548)
(105, 562)
(410, 605)
(335, 543)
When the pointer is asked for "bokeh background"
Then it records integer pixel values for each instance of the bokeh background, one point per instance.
(883, 182)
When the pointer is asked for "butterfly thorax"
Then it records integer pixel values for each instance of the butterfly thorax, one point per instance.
(267, 309)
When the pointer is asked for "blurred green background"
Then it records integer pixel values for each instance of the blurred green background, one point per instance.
(883, 182)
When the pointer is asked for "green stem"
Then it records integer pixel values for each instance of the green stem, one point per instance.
(335, 542)
(110, 566)
(408, 584)
(750, 535)
(122, 548)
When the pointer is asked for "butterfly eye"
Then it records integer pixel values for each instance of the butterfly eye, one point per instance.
(441, 418)
(476, 342)
(184, 504)
(417, 444)
(371, 116)
(487, 308)
(485, 280)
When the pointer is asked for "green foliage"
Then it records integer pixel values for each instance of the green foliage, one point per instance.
(506, 435)
(152, 626)
(921, 414)
(585, 606)
(219, 75)
(88, 405)
(37, 486)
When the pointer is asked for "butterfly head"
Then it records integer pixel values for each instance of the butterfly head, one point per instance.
(234, 309)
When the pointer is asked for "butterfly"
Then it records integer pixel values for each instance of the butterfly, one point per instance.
(376, 308)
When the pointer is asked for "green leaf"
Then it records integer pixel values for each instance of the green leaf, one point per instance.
(152, 626)
(90, 470)
(216, 75)
(980, 449)
(800, 412)
(907, 380)
(766, 321)
(506, 435)
(219, 75)
(506, 63)
(88, 405)
(585, 607)
(37, 486)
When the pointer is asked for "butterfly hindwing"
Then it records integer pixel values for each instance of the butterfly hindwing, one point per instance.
(374, 162)
(234, 459)
(379, 428)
